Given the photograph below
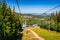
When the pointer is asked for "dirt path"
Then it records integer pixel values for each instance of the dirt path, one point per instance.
(35, 35)
(28, 36)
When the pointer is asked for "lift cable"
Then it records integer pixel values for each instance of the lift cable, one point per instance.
(52, 9)
(18, 6)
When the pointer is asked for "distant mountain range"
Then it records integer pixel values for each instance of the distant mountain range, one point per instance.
(35, 14)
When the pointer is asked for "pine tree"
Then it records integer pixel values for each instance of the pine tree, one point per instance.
(58, 17)
(58, 21)
(10, 23)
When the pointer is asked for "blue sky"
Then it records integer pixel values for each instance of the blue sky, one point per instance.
(34, 6)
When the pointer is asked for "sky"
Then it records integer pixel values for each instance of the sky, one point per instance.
(34, 6)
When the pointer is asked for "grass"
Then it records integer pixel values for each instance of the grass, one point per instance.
(47, 35)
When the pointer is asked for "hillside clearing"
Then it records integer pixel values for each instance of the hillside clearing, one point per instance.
(52, 35)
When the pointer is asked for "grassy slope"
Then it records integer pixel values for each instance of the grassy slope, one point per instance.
(52, 35)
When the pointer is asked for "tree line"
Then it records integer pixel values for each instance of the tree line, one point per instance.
(54, 22)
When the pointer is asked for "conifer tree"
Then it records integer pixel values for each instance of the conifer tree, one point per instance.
(9, 23)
